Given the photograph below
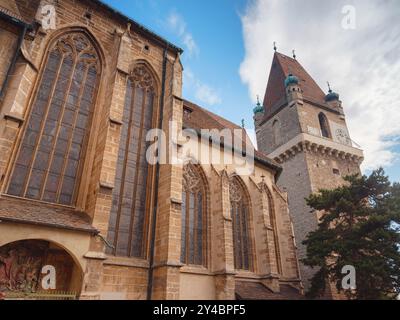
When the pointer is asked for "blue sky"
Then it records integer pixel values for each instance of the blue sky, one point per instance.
(228, 52)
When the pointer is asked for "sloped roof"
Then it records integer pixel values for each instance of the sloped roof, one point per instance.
(248, 290)
(10, 8)
(201, 118)
(282, 66)
(31, 212)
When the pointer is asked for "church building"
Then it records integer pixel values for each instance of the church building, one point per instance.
(85, 212)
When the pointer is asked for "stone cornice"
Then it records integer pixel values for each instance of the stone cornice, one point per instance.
(305, 142)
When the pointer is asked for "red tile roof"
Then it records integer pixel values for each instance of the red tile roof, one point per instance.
(201, 118)
(282, 66)
(32, 212)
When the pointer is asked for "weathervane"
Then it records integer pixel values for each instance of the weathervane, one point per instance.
(275, 46)
(294, 54)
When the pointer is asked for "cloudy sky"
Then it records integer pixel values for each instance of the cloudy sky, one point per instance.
(353, 44)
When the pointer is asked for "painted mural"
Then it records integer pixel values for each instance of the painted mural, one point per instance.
(20, 265)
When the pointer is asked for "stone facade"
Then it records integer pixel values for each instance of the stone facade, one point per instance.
(121, 44)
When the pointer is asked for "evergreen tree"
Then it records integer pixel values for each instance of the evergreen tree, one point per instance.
(360, 227)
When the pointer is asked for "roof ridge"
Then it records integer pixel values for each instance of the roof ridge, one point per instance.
(215, 116)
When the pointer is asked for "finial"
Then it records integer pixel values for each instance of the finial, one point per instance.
(258, 100)
(294, 54)
(243, 123)
(329, 87)
(262, 177)
(275, 46)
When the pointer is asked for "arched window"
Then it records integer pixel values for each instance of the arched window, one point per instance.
(324, 125)
(128, 217)
(241, 232)
(52, 152)
(276, 129)
(193, 232)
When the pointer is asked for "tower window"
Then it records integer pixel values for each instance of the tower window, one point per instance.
(336, 172)
(324, 125)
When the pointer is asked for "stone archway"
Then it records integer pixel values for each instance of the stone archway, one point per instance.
(22, 268)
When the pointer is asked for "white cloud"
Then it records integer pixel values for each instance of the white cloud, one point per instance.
(362, 65)
(202, 92)
(177, 24)
(207, 94)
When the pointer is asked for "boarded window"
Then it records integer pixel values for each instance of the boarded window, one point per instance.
(128, 218)
(193, 231)
(240, 222)
(51, 155)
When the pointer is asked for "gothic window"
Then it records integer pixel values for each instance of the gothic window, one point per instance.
(128, 217)
(324, 125)
(51, 155)
(193, 234)
(242, 246)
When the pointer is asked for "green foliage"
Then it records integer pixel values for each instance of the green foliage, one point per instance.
(360, 226)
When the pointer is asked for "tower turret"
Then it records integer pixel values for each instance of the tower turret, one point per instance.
(258, 111)
(332, 98)
(293, 90)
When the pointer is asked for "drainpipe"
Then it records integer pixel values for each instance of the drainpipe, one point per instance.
(154, 217)
(21, 37)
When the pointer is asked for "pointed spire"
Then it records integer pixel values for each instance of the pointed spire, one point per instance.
(294, 54)
(275, 48)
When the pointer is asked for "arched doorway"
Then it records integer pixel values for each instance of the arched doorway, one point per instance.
(32, 268)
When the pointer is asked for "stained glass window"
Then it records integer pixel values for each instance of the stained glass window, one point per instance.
(52, 151)
(193, 232)
(128, 213)
(242, 246)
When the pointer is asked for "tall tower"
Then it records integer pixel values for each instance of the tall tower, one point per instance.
(305, 130)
